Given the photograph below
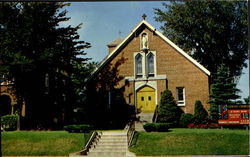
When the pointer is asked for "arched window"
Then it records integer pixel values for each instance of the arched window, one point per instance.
(138, 65)
(150, 64)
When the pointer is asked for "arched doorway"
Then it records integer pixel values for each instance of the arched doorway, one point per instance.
(5, 105)
(146, 99)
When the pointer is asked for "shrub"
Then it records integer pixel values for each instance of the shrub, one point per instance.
(200, 114)
(191, 125)
(168, 111)
(213, 126)
(157, 127)
(9, 122)
(186, 118)
(202, 126)
(83, 128)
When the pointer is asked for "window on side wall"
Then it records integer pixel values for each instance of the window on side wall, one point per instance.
(180, 97)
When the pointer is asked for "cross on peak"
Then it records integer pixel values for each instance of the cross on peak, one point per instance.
(144, 16)
(119, 33)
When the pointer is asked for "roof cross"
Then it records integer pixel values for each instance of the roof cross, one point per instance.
(144, 16)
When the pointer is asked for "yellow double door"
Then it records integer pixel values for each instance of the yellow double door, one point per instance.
(146, 99)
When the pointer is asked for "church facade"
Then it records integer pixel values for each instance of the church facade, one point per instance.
(153, 64)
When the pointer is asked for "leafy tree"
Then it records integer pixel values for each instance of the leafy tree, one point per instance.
(168, 111)
(40, 57)
(106, 106)
(200, 114)
(212, 32)
(223, 91)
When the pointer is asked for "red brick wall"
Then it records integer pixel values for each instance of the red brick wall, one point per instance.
(179, 71)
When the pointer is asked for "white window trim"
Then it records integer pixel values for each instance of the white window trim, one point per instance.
(144, 64)
(181, 102)
(135, 64)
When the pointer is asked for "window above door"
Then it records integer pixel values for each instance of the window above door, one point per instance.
(145, 64)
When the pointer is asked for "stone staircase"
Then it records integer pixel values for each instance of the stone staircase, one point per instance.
(110, 144)
(143, 118)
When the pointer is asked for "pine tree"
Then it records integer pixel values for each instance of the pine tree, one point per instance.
(223, 91)
(168, 111)
(200, 114)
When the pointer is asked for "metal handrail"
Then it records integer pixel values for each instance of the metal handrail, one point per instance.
(155, 114)
(130, 131)
(89, 143)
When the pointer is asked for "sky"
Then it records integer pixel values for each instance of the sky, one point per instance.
(103, 22)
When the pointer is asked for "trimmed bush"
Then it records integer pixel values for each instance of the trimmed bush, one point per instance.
(168, 111)
(9, 122)
(156, 127)
(186, 118)
(83, 128)
(200, 114)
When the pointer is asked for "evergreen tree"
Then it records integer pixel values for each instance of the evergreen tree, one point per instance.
(211, 31)
(200, 114)
(40, 57)
(168, 111)
(223, 91)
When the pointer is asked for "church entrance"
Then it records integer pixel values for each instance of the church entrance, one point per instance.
(146, 99)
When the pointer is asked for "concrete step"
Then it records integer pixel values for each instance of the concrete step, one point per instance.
(114, 136)
(146, 117)
(114, 133)
(139, 126)
(108, 149)
(108, 154)
(113, 140)
(111, 145)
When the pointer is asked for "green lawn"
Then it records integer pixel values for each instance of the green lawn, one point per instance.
(192, 142)
(41, 142)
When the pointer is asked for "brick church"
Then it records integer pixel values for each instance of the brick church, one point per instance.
(152, 64)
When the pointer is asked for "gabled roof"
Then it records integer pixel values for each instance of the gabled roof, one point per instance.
(143, 22)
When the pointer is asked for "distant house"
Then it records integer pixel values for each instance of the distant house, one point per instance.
(152, 64)
(8, 100)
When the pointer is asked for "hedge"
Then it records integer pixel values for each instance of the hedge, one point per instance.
(9, 122)
(156, 127)
(83, 128)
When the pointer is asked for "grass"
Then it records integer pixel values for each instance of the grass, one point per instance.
(41, 143)
(192, 142)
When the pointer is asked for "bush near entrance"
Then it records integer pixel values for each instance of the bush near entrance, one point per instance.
(156, 127)
(168, 111)
(83, 128)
